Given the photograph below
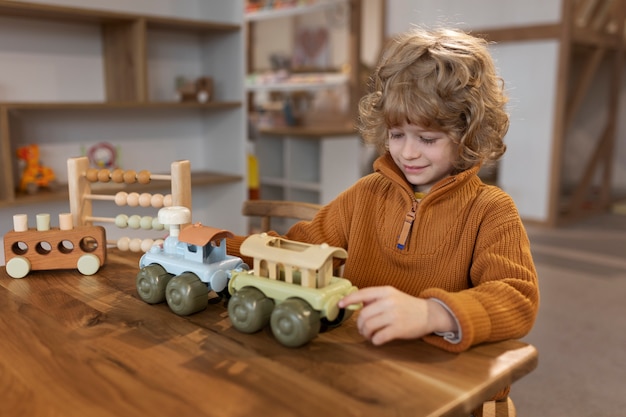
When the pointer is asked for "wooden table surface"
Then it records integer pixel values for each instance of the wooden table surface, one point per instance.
(76, 345)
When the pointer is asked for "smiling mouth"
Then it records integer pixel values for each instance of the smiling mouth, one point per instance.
(414, 168)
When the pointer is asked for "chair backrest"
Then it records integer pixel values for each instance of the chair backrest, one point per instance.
(266, 209)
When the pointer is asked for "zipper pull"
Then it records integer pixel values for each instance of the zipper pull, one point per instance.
(406, 227)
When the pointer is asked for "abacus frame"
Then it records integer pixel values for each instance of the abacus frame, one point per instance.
(81, 195)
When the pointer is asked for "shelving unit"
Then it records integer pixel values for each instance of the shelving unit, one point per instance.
(313, 166)
(318, 80)
(315, 161)
(137, 51)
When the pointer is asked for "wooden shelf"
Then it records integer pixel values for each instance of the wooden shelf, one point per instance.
(74, 14)
(276, 13)
(118, 105)
(60, 193)
(298, 82)
(317, 131)
(136, 56)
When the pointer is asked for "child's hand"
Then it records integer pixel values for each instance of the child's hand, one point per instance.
(389, 314)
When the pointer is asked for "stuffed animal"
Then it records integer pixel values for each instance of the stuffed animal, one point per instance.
(34, 175)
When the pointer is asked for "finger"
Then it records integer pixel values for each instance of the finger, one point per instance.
(365, 296)
(380, 330)
(372, 321)
(383, 336)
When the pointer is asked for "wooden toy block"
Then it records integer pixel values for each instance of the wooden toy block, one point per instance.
(45, 248)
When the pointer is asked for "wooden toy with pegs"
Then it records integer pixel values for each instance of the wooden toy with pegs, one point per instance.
(45, 248)
(81, 178)
(291, 287)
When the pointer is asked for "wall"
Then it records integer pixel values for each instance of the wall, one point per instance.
(530, 86)
(588, 125)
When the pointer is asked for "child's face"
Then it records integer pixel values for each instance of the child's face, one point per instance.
(424, 156)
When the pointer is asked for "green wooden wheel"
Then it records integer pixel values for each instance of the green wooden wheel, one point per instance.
(187, 294)
(151, 282)
(249, 310)
(294, 322)
(344, 314)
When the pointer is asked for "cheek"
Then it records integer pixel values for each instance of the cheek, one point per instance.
(394, 146)
(450, 152)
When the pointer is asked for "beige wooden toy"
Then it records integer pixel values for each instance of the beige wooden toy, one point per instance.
(45, 248)
(291, 287)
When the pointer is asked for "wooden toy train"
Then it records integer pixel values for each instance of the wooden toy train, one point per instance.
(291, 287)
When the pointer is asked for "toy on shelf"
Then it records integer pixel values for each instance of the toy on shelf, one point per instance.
(44, 248)
(191, 262)
(291, 286)
(200, 90)
(34, 174)
(80, 180)
(103, 155)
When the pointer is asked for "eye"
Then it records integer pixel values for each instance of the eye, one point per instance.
(396, 135)
(428, 141)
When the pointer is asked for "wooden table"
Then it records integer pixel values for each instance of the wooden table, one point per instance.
(76, 345)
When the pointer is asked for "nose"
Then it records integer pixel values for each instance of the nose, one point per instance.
(411, 149)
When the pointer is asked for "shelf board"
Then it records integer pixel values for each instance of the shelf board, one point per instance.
(157, 22)
(117, 105)
(298, 82)
(288, 183)
(264, 14)
(76, 14)
(317, 131)
(199, 178)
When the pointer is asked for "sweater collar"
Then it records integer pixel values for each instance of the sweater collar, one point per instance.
(385, 165)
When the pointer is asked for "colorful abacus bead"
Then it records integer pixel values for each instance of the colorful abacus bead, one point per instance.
(92, 175)
(130, 176)
(104, 175)
(120, 198)
(143, 177)
(133, 199)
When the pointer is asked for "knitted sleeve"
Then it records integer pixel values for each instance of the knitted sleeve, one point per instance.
(504, 298)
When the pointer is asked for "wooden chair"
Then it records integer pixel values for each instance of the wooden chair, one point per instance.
(502, 408)
(268, 209)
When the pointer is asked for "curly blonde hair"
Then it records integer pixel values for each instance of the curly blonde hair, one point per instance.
(442, 79)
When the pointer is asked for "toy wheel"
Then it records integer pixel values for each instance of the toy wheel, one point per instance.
(294, 322)
(249, 310)
(18, 267)
(88, 264)
(186, 294)
(151, 282)
(344, 314)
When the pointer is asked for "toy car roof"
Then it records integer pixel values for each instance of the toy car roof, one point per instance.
(200, 235)
(279, 250)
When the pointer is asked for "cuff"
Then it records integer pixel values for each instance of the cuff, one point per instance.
(451, 337)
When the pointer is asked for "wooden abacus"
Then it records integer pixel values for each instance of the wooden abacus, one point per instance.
(81, 196)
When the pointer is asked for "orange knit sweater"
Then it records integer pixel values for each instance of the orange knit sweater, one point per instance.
(467, 247)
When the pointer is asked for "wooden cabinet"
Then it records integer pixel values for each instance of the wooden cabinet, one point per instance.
(115, 82)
